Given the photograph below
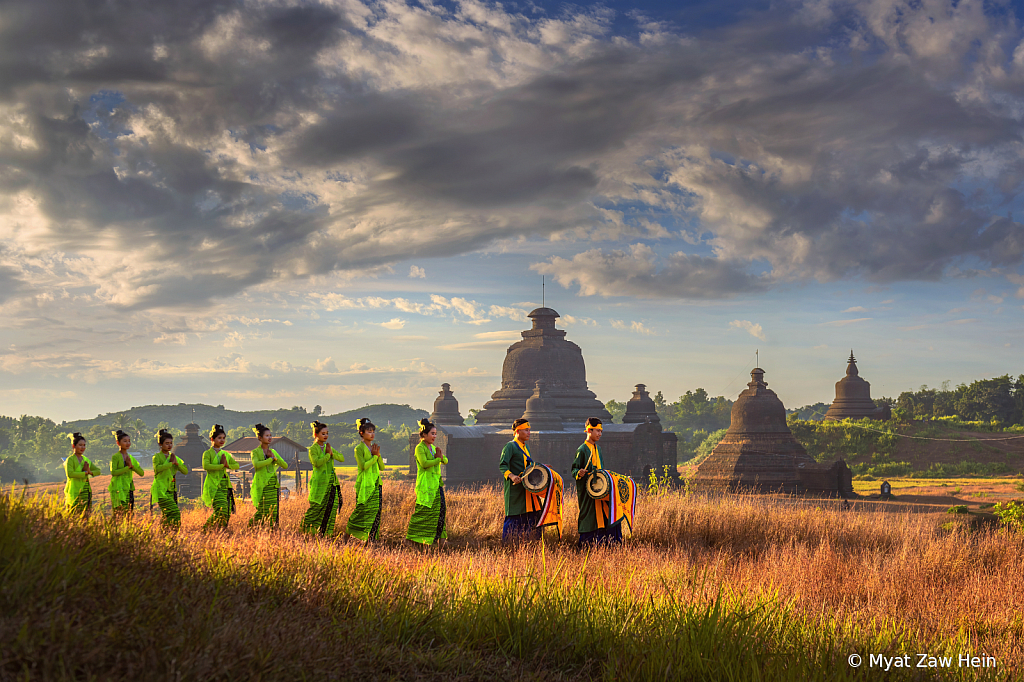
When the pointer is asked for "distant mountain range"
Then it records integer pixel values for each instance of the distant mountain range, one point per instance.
(177, 416)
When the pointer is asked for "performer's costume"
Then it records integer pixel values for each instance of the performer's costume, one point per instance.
(266, 496)
(428, 522)
(77, 491)
(217, 492)
(600, 521)
(164, 492)
(364, 523)
(324, 492)
(122, 483)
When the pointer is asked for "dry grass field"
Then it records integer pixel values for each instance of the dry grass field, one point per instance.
(731, 587)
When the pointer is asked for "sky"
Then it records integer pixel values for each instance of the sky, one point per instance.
(267, 204)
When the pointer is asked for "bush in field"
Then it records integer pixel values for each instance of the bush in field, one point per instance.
(1011, 514)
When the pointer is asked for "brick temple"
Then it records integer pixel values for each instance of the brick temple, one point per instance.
(853, 397)
(760, 453)
(544, 378)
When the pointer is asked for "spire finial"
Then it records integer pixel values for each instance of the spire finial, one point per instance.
(542, 292)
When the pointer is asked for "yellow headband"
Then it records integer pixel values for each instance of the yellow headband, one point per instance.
(599, 427)
(524, 425)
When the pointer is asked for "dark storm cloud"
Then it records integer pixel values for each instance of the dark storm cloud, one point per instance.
(225, 145)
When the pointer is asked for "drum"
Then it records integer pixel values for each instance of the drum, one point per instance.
(536, 478)
(598, 484)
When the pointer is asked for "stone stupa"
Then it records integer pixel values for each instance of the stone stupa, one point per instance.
(759, 452)
(853, 397)
(543, 354)
(446, 408)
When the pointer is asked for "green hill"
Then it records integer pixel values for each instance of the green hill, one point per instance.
(177, 416)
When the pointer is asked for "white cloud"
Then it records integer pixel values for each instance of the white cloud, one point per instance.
(394, 323)
(843, 323)
(633, 326)
(751, 328)
(417, 272)
(856, 309)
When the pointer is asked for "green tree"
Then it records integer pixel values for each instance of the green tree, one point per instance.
(617, 410)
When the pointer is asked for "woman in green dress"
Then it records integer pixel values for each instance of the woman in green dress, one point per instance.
(266, 496)
(594, 526)
(428, 524)
(122, 484)
(324, 489)
(164, 492)
(217, 492)
(364, 524)
(78, 468)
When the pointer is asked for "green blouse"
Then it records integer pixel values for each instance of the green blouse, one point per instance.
(368, 477)
(324, 475)
(428, 474)
(215, 473)
(265, 472)
(163, 475)
(77, 478)
(121, 479)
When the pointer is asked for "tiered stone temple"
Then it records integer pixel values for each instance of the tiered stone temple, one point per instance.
(759, 452)
(853, 397)
(544, 379)
(543, 354)
(446, 409)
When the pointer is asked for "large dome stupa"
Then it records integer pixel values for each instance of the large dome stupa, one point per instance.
(545, 355)
(758, 451)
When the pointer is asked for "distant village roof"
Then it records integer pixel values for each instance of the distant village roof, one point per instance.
(286, 447)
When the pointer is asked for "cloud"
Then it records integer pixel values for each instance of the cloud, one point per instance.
(754, 330)
(417, 272)
(187, 152)
(633, 326)
(394, 323)
(486, 340)
(636, 273)
(856, 309)
(843, 323)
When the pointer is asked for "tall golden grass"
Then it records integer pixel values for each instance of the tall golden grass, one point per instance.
(795, 586)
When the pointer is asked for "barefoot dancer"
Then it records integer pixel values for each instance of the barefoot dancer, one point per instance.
(364, 523)
(428, 522)
(324, 490)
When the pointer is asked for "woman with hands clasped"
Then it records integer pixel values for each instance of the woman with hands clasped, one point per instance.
(165, 491)
(324, 490)
(428, 524)
(266, 496)
(364, 524)
(122, 484)
(217, 491)
(78, 468)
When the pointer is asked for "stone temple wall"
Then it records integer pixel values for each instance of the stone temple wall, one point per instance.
(474, 451)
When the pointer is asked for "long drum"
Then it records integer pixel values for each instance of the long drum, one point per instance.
(536, 478)
(599, 483)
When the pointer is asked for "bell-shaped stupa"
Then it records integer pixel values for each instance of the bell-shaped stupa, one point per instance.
(758, 451)
(640, 408)
(853, 397)
(543, 354)
(446, 408)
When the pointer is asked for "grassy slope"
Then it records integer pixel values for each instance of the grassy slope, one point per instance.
(180, 415)
(95, 600)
